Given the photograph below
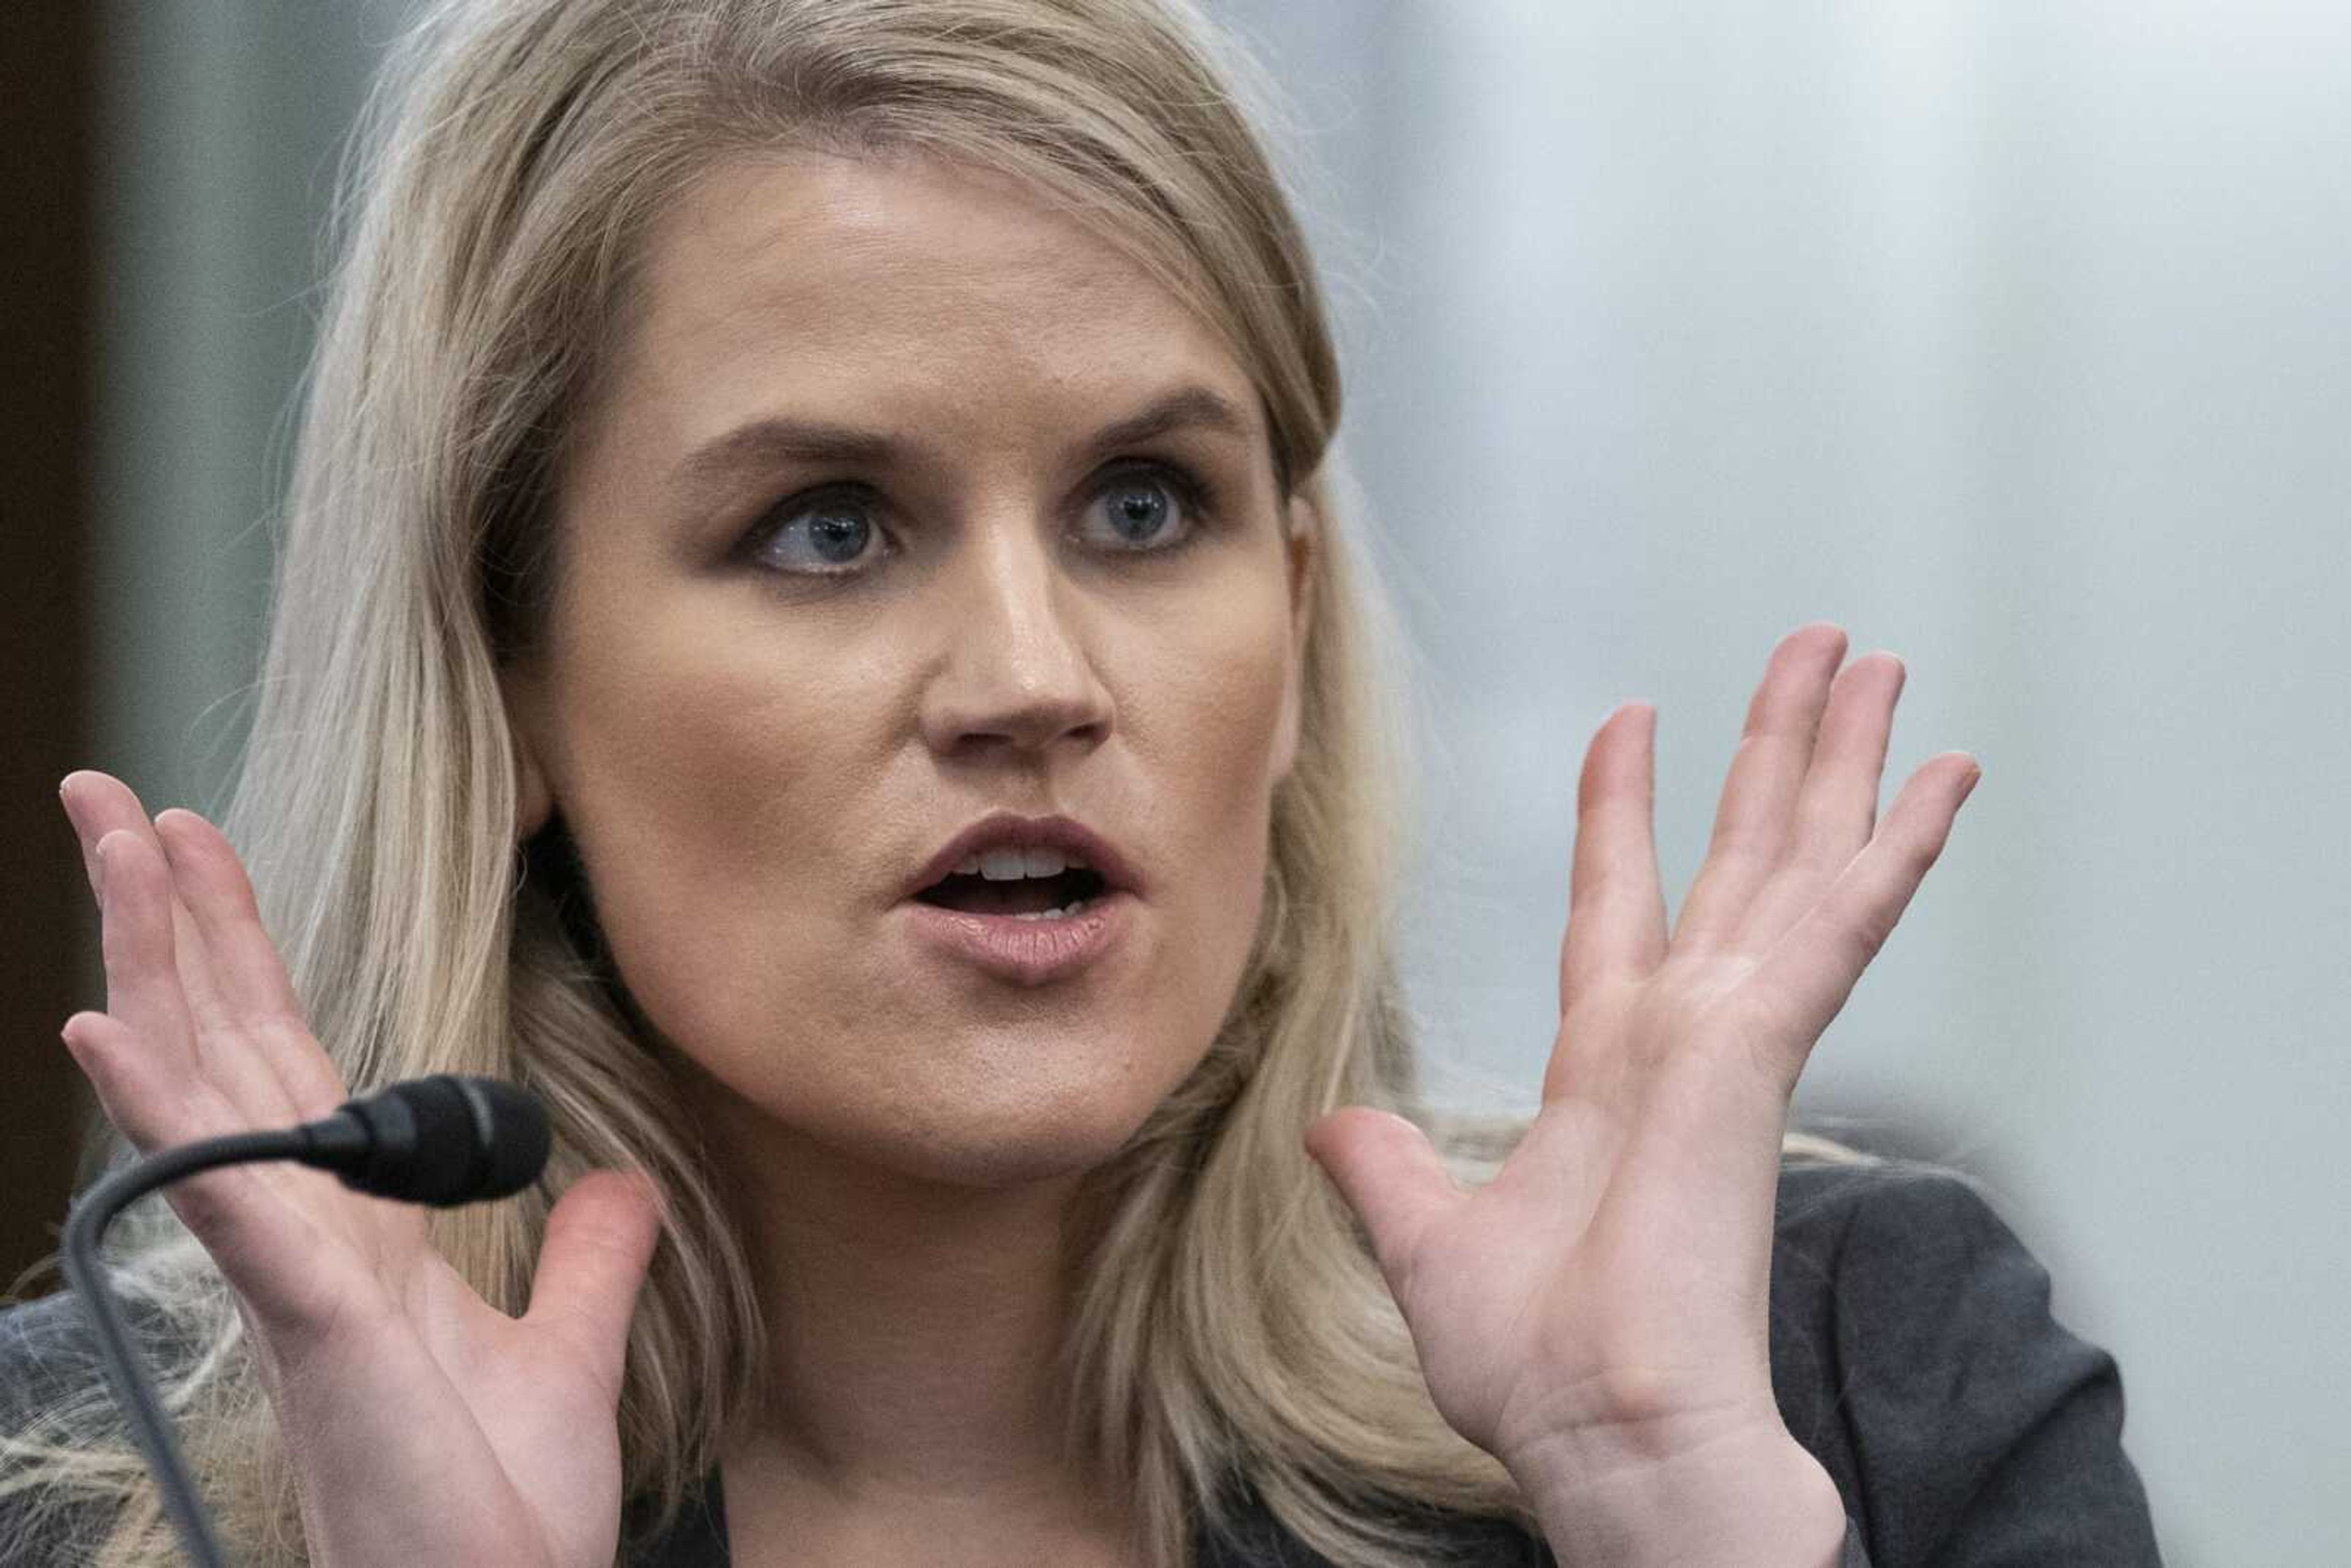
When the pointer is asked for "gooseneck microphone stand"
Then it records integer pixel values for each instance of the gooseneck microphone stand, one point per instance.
(443, 1141)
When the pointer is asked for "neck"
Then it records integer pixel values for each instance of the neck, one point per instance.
(915, 1328)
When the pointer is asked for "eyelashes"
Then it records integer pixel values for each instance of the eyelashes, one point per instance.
(835, 529)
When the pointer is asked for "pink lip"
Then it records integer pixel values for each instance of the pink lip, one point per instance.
(1026, 952)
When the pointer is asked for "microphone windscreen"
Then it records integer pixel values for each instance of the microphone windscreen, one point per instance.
(447, 1140)
(519, 1135)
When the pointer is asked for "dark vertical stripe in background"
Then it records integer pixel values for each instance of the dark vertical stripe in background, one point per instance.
(48, 107)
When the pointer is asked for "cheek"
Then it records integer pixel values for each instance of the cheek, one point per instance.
(712, 785)
(1205, 723)
(1204, 702)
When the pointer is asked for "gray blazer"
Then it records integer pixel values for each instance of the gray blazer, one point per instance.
(1913, 1353)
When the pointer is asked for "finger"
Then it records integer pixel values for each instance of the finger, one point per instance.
(1838, 813)
(84, 838)
(156, 1110)
(98, 804)
(591, 1267)
(241, 1213)
(1759, 802)
(139, 1054)
(1615, 904)
(258, 999)
(1804, 982)
(1389, 1173)
(144, 1100)
(135, 941)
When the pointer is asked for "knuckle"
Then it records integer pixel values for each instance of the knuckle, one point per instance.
(1924, 852)
(206, 1204)
(280, 1027)
(1741, 844)
(1818, 858)
(1870, 933)
(1766, 1057)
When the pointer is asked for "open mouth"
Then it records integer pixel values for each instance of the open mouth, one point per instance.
(1029, 897)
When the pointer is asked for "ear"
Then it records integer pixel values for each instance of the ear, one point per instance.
(1302, 537)
(533, 800)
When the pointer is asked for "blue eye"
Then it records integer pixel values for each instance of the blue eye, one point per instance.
(1153, 508)
(827, 537)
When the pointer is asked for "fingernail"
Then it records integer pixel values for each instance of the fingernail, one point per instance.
(1969, 786)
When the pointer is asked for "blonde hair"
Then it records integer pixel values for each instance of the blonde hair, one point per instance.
(1229, 1328)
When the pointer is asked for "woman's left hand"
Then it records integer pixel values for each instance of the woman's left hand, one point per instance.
(1597, 1316)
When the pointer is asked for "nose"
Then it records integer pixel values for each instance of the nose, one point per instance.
(1016, 674)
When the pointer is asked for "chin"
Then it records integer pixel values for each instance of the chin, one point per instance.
(1050, 1144)
(1023, 1124)
(1038, 1095)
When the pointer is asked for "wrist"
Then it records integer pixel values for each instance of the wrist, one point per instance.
(1760, 1504)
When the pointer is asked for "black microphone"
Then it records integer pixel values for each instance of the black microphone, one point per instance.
(444, 1141)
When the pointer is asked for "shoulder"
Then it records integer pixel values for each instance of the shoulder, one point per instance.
(1881, 1227)
(1886, 1267)
(46, 1349)
(48, 1354)
(1915, 1352)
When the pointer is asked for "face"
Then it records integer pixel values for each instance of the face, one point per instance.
(785, 670)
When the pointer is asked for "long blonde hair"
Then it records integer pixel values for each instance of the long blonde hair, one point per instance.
(1229, 1328)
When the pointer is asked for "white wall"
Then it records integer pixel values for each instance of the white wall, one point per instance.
(2012, 337)
(221, 126)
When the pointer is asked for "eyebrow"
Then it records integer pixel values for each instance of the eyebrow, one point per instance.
(751, 447)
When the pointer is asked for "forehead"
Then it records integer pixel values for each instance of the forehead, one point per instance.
(781, 278)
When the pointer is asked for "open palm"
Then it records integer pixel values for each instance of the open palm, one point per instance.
(423, 1424)
(1604, 1301)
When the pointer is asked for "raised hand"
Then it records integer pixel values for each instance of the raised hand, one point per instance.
(424, 1424)
(1597, 1316)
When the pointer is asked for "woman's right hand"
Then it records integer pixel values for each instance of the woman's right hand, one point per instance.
(423, 1425)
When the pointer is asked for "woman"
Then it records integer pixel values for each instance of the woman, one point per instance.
(841, 488)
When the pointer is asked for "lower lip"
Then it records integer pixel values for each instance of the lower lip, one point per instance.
(1025, 952)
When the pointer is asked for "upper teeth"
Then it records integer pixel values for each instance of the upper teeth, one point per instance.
(1012, 865)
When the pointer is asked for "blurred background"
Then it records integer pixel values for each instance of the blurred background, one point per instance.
(2015, 339)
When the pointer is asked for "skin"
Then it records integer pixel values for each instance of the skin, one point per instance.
(754, 760)
(755, 763)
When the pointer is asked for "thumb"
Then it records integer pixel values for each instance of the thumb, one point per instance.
(1390, 1175)
(599, 1240)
